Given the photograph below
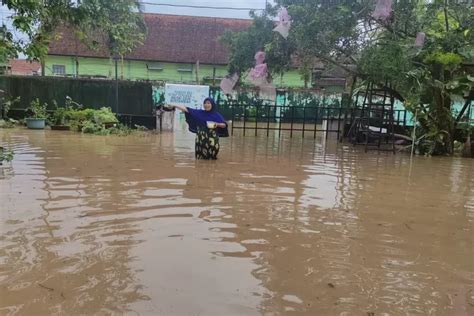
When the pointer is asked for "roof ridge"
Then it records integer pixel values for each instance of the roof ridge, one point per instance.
(196, 16)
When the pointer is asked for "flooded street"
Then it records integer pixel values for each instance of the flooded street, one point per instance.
(94, 225)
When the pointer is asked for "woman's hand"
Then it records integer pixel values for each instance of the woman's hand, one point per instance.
(221, 125)
(167, 107)
(180, 107)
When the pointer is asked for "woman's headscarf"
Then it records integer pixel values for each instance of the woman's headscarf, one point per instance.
(199, 118)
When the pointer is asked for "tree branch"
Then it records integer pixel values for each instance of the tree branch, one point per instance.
(446, 14)
(346, 55)
(332, 61)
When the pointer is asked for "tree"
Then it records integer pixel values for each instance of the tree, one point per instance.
(345, 32)
(432, 75)
(120, 21)
(259, 36)
(311, 36)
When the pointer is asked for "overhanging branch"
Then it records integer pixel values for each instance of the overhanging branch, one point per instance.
(332, 61)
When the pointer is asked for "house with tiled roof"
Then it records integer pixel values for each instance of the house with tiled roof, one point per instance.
(23, 67)
(173, 48)
(178, 49)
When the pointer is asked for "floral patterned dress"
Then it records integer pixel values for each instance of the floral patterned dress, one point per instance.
(207, 143)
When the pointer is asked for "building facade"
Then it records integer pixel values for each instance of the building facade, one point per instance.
(177, 49)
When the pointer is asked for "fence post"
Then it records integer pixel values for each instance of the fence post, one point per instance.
(279, 121)
(316, 112)
(245, 116)
(116, 85)
(233, 119)
(339, 122)
(346, 103)
(304, 119)
(327, 123)
(256, 119)
(268, 119)
(292, 119)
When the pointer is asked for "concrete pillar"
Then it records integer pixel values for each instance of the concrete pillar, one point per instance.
(165, 121)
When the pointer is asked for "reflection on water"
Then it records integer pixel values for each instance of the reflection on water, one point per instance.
(276, 226)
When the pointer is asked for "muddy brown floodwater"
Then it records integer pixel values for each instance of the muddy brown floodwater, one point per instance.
(94, 225)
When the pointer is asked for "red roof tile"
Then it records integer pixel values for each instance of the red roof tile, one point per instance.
(170, 38)
(24, 67)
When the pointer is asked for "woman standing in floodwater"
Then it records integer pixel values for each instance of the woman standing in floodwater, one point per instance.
(208, 125)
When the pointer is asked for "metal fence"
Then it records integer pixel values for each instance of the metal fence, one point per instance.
(302, 112)
(306, 121)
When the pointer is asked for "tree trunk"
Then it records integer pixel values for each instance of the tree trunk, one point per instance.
(440, 112)
(444, 122)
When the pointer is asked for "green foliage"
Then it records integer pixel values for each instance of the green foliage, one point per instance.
(104, 115)
(259, 36)
(38, 109)
(85, 120)
(5, 155)
(446, 59)
(8, 123)
(59, 114)
(341, 32)
(89, 120)
(8, 48)
(80, 115)
(7, 105)
(90, 127)
(76, 118)
(244, 45)
(120, 21)
(385, 61)
(324, 28)
(120, 130)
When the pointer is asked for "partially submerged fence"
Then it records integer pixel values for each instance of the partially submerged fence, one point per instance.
(301, 120)
(305, 113)
(309, 121)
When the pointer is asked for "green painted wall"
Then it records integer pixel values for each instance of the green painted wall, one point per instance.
(138, 70)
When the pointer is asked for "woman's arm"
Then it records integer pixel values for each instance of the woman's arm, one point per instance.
(181, 108)
(221, 125)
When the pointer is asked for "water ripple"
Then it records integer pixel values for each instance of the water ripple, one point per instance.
(277, 225)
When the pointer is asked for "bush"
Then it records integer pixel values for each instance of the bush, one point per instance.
(77, 118)
(120, 130)
(7, 105)
(5, 155)
(80, 115)
(88, 121)
(104, 115)
(91, 127)
(8, 123)
(38, 109)
(59, 115)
